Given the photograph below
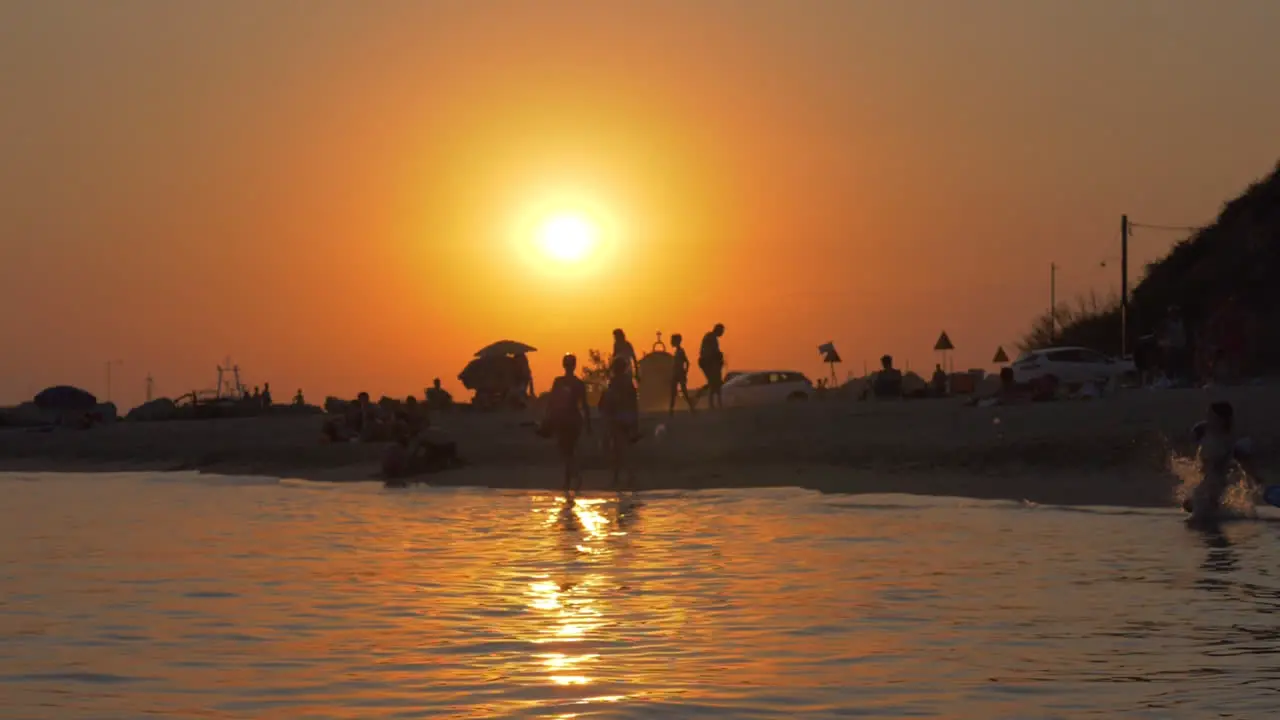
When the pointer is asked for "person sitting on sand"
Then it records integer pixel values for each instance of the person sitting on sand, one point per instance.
(567, 415)
(413, 417)
(620, 409)
(888, 382)
(679, 374)
(369, 424)
(1219, 448)
(438, 398)
(432, 451)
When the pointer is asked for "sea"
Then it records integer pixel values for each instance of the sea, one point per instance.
(198, 596)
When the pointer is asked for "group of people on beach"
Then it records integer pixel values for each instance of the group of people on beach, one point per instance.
(568, 412)
(416, 446)
(1180, 353)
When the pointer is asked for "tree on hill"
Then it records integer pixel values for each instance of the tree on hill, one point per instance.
(1238, 255)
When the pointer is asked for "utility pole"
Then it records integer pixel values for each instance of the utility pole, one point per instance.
(109, 364)
(151, 385)
(1124, 285)
(1053, 301)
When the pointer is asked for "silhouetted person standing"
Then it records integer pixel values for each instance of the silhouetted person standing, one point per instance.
(266, 395)
(939, 381)
(437, 397)
(711, 360)
(679, 374)
(622, 349)
(888, 382)
(524, 376)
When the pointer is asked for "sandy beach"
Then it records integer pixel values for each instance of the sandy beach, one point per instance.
(1112, 451)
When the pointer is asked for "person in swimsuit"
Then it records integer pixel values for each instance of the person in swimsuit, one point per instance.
(1219, 448)
(679, 374)
(567, 416)
(620, 408)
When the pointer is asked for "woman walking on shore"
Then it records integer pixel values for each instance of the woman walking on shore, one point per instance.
(620, 409)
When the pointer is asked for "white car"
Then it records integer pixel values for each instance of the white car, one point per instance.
(1070, 366)
(764, 387)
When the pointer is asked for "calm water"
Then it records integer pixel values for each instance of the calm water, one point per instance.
(187, 596)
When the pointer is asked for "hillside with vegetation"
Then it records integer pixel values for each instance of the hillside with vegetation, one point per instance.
(1238, 254)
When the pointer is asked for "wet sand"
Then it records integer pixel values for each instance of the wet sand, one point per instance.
(1112, 451)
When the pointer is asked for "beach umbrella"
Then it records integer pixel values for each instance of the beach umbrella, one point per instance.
(505, 347)
(65, 397)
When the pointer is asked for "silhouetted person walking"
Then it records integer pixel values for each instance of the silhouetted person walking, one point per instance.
(567, 415)
(679, 374)
(711, 360)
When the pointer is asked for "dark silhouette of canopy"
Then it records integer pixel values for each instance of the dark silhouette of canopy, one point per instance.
(505, 347)
(65, 397)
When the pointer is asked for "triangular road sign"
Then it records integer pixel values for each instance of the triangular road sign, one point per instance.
(1000, 357)
(944, 342)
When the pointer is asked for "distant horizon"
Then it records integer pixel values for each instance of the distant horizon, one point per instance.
(349, 196)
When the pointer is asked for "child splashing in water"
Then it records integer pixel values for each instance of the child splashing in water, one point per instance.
(1219, 448)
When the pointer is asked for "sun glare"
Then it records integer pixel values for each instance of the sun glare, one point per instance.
(567, 238)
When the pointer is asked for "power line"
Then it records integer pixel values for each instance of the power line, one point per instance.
(1171, 228)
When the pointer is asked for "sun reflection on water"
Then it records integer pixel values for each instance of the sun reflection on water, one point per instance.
(570, 606)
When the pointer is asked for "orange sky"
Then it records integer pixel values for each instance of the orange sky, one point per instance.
(330, 192)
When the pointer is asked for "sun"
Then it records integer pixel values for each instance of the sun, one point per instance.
(567, 238)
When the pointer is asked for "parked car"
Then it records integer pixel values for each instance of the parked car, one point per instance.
(1070, 366)
(764, 387)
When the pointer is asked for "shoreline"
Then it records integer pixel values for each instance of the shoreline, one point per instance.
(1139, 489)
(1111, 451)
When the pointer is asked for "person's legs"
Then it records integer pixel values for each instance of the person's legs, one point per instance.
(567, 440)
(618, 442)
(684, 388)
(633, 431)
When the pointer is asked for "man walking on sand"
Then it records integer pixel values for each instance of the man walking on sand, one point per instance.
(711, 360)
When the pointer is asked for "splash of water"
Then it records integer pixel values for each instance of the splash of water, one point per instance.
(1240, 499)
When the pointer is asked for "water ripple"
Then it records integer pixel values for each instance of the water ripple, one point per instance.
(190, 596)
